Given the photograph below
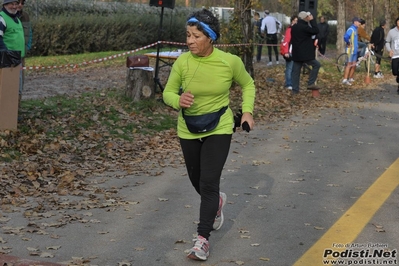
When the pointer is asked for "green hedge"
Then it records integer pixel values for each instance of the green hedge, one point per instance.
(72, 27)
(60, 27)
(92, 33)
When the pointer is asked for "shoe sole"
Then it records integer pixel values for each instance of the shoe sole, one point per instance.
(193, 256)
(224, 198)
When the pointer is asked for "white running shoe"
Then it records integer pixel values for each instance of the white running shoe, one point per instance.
(219, 219)
(277, 62)
(346, 82)
(200, 250)
(290, 88)
(269, 64)
(351, 80)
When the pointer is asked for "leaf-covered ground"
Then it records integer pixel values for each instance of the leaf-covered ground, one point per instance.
(38, 168)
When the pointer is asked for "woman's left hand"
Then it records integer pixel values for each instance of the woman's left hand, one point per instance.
(247, 117)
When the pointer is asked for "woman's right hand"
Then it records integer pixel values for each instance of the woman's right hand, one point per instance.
(186, 99)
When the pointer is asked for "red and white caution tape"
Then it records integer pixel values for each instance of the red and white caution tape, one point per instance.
(124, 54)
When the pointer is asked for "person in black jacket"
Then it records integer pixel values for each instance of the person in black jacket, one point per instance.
(324, 29)
(377, 41)
(303, 37)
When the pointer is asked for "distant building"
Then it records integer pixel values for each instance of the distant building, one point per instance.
(222, 13)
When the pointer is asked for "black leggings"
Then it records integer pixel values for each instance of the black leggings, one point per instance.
(205, 159)
(271, 39)
(378, 55)
(395, 68)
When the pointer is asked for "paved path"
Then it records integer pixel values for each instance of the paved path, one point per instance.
(287, 184)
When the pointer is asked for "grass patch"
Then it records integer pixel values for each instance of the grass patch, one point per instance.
(87, 120)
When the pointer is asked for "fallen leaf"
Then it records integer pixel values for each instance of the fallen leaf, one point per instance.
(46, 255)
(124, 263)
(163, 199)
(53, 247)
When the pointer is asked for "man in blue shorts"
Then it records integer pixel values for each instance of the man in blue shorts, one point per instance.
(350, 39)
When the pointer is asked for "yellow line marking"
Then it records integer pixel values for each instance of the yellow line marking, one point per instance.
(352, 222)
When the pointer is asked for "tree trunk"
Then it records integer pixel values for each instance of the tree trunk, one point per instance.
(369, 16)
(341, 27)
(295, 6)
(243, 12)
(139, 84)
(388, 17)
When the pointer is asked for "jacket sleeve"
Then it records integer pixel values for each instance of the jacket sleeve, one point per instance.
(263, 26)
(171, 93)
(388, 42)
(2, 30)
(313, 29)
(284, 48)
(347, 35)
(242, 77)
(362, 34)
(374, 38)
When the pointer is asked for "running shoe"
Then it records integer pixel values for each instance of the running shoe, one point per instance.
(200, 250)
(346, 82)
(219, 215)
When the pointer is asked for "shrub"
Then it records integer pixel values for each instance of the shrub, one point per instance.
(71, 27)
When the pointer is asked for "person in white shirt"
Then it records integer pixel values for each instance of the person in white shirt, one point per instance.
(270, 27)
(392, 47)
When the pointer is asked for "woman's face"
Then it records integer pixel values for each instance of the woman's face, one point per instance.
(198, 43)
(20, 6)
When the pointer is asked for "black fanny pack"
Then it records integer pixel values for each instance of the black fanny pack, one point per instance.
(203, 123)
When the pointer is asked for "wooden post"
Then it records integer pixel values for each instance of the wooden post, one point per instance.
(9, 86)
(139, 84)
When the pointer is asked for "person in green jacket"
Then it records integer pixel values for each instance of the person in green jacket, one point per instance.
(199, 85)
(11, 31)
